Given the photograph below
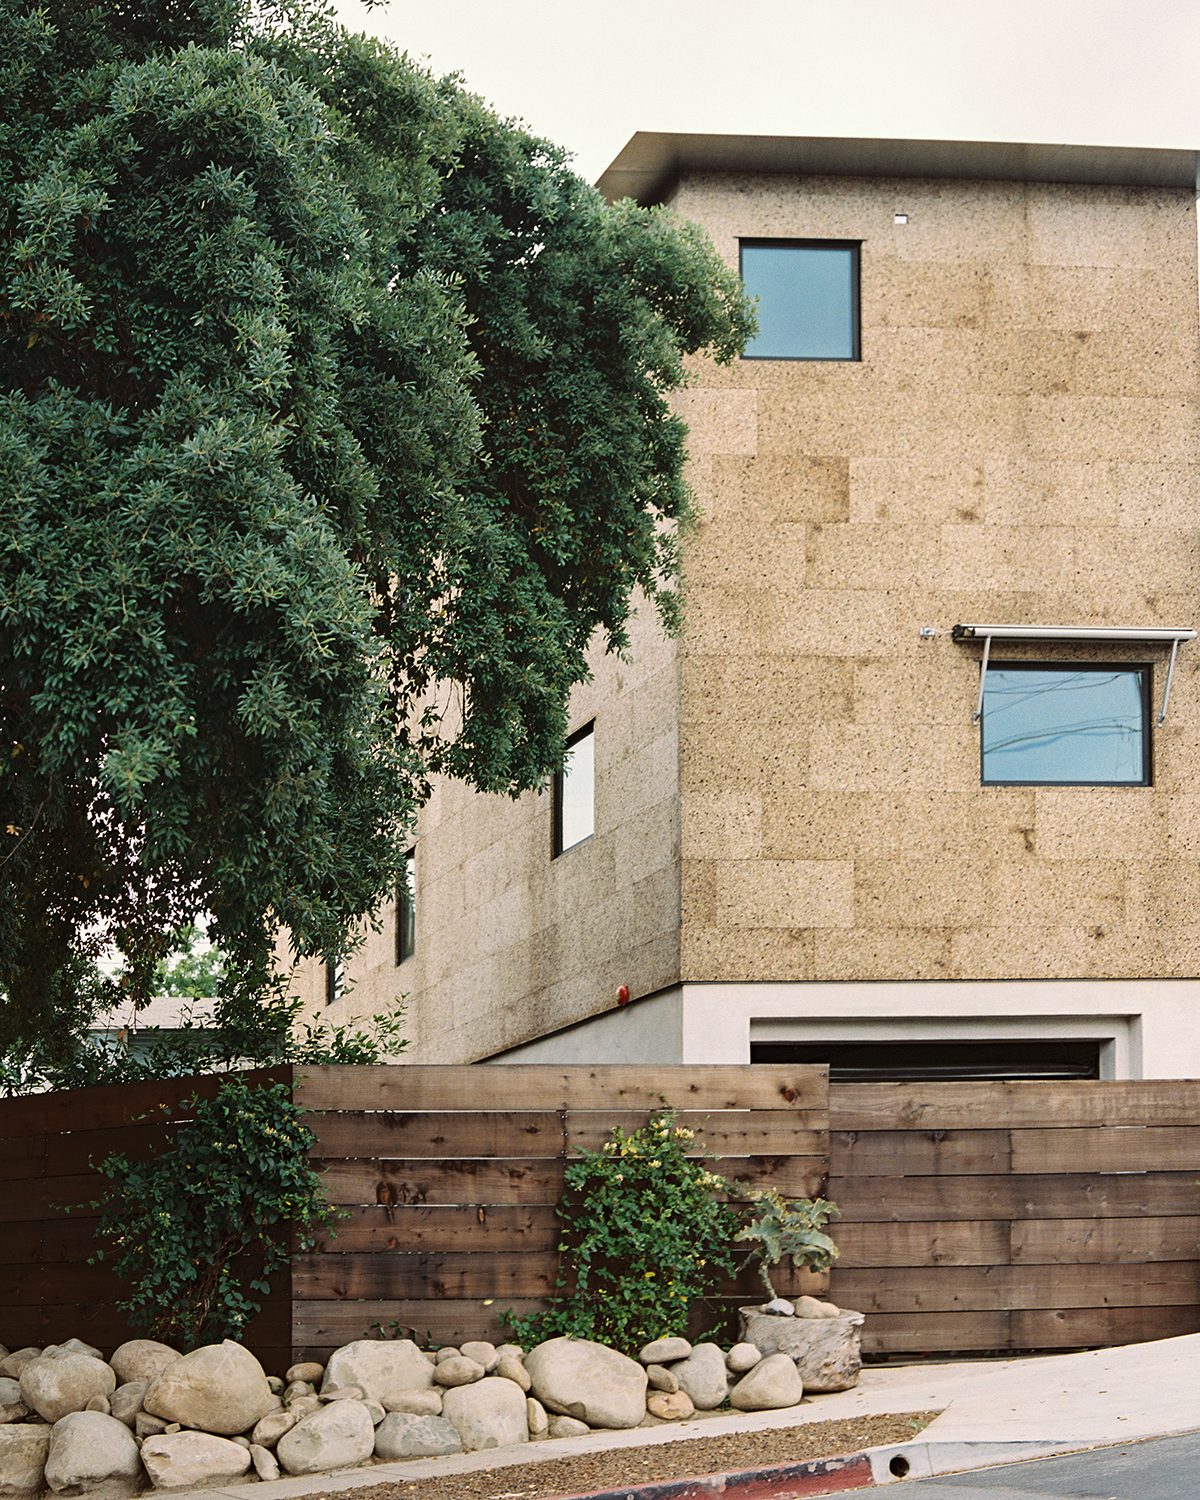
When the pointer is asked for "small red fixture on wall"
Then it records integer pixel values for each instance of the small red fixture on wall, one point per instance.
(623, 995)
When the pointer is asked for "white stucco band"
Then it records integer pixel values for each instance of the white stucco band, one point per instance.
(1146, 1026)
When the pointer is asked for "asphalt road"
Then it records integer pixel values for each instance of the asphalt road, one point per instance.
(1166, 1468)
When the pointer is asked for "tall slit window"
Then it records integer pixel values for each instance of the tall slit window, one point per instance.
(1065, 724)
(406, 908)
(808, 298)
(575, 792)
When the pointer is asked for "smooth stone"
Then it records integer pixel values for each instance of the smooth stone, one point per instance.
(142, 1359)
(813, 1307)
(670, 1406)
(662, 1351)
(379, 1368)
(344, 1393)
(144, 1425)
(416, 1403)
(12, 1408)
(826, 1351)
(55, 1384)
(375, 1412)
(514, 1349)
(72, 1346)
(535, 1417)
(242, 1442)
(277, 1385)
(773, 1383)
(482, 1353)
(490, 1413)
(298, 1388)
(12, 1364)
(23, 1452)
(780, 1306)
(660, 1378)
(304, 1406)
(510, 1368)
(567, 1427)
(269, 1429)
(127, 1400)
(185, 1460)
(594, 1384)
(100, 1404)
(307, 1369)
(406, 1435)
(703, 1376)
(458, 1370)
(447, 1351)
(742, 1357)
(219, 1388)
(90, 1448)
(339, 1436)
(266, 1466)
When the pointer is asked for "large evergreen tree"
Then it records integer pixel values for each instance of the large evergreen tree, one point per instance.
(332, 427)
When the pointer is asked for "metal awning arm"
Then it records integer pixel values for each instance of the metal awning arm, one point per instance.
(1170, 674)
(987, 651)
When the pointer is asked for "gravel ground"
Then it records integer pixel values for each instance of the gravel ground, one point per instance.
(679, 1460)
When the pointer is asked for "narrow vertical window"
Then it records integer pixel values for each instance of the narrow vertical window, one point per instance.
(574, 792)
(406, 908)
(335, 981)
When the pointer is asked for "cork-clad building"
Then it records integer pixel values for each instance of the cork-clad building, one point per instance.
(917, 792)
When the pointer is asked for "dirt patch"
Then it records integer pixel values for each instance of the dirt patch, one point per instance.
(681, 1460)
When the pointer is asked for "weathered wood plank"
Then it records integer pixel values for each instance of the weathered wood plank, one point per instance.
(54, 1240)
(1072, 1328)
(375, 1228)
(918, 1153)
(935, 1332)
(991, 1106)
(913, 1199)
(1113, 1148)
(1005, 1288)
(50, 1198)
(535, 1087)
(968, 1242)
(512, 1181)
(1104, 1241)
(543, 1133)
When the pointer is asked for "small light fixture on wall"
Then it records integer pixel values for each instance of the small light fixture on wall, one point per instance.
(899, 218)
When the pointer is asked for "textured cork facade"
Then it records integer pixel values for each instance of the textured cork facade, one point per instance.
(793, 842)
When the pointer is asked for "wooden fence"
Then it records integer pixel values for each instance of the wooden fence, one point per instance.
(993, 1216)
(451, 1176)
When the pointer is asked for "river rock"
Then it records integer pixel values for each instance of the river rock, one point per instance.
(54, 1385)
(404, 1435)
(659, 1378)
(379, 1368)
(307, 1369)
(266, 1465)
(127, 1400)
(535, 1417)
(481, 1352)
(12, 1408)
(90, 1448)
(566, 1427)
(142, 1359)
(703, 1377)
(144, 1425)
(826, 1350)
(416, 1403)
(458, 1370)
(71, 1346)
(269, 1429)
(670, 1406)
(771, 1385)
(339, 1436)
(185, 1460)
(219, 1388)
(663, 1351)
(742, 1357)
(597, 1385)
(23, 1451)
(510, 1368)
(12, 1364)
(813, 1307)
(490, 1413)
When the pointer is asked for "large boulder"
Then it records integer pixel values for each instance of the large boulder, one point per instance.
(55, 1384)
(404, 1435)
(338, 1436)
(142, 1359)
(381, 1368)
(88, 1449)
(594, 1384)
(703, 1376)
(220, 1388)
(490, 1413)
(826, 1350)
(23, 1451)
(773, 1383)
(185, 1460)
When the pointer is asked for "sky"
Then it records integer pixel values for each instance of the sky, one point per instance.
(588, 76)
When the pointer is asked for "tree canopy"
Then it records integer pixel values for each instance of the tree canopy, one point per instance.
(333, 426)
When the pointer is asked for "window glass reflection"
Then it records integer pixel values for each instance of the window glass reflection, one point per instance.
(1065, 724)
(807, 299)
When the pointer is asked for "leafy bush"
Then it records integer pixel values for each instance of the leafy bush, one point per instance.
(645, 1239)
(790, 1228)
(199, 1229)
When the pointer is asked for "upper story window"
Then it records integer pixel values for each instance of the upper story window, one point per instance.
(574, 792)
(335, 981)
(808, 298)
(1066, 723)
(406, 908)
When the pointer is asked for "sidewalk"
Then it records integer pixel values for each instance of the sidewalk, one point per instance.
(993, 1412)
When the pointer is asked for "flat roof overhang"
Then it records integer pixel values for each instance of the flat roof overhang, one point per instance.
(652, 162)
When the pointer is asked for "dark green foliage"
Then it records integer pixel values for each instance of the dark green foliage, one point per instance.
(332, 427)
(198, 1231)
(644, 1239)
(779, 1227)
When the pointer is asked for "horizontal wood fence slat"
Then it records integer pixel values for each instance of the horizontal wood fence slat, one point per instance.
(1017, 1215)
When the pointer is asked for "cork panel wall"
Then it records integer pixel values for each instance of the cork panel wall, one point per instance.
(1018, 443)
(512, 943)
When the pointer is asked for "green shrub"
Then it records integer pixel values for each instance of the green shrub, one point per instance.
(644, 1239)
(779, 1227)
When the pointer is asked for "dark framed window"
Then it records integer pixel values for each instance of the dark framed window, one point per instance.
(406, 908)
(335, 981)
(1065, 724)
(575, 792)
(808, 298)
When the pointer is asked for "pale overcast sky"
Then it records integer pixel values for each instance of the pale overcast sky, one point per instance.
(1090, 72)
